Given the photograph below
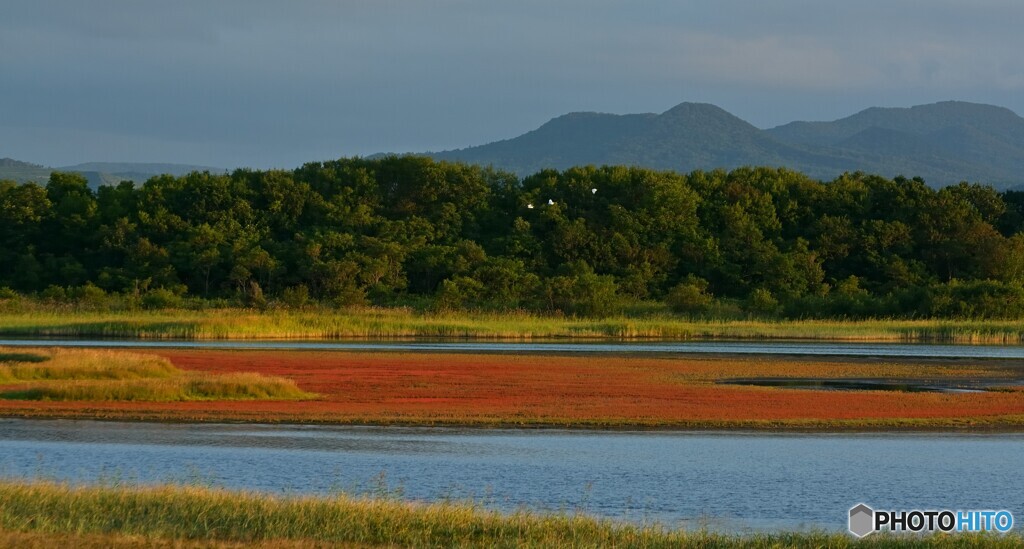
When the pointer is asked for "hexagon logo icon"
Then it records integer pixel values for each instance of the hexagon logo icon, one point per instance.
(862, 519)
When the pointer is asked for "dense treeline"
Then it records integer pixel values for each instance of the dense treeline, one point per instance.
(590, 241)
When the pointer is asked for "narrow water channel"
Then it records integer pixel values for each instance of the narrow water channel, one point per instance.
(811, 348)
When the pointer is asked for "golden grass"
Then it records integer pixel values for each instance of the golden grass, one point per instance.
(66, 364)
(157, 515)
(100, 375)
(399, 323)
(241, 386)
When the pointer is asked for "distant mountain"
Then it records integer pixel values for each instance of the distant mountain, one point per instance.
(139, 168)
(12, 163)
(98, 173)
(944, 143)
(17, 170)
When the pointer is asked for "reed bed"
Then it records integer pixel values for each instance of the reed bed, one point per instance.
(193, 514)
(402, 323)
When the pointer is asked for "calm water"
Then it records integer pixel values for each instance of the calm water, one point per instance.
(740, 347)
(729, 482)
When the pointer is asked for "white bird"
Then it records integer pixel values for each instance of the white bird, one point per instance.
(593, 191)
(551, 202)
(529, 206)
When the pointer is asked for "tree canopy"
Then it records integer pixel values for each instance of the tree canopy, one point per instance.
(587, 240)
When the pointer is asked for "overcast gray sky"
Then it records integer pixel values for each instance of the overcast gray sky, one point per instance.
(273, 83)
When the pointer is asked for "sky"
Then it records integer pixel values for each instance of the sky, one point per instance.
(274, 84)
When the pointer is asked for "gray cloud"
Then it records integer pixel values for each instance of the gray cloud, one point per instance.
(266, 83)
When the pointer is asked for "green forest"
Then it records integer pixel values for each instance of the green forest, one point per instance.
(409, 231)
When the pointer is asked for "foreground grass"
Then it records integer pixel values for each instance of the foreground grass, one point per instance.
(100, 375)
(42, 540)
(398, 323)
(153, 516)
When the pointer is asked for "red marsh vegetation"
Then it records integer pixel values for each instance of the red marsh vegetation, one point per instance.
(614, 391)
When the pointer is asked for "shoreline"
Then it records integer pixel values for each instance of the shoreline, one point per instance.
(954, 426)
(895, 338)
(392, 324)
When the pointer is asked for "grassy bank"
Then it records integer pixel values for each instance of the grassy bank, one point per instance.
(115, 376)
(104, 516)
(401, 323)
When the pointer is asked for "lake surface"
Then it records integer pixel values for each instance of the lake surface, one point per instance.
(816, 348)
(732, 482)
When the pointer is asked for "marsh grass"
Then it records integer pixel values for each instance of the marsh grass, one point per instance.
(76, 364)
(239, 386)
(403, 323)
(193, 514)
(243, 386)
(99, 375)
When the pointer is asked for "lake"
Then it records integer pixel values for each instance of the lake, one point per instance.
(732, 482)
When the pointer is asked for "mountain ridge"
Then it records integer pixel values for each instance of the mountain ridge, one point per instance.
(945, 143)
